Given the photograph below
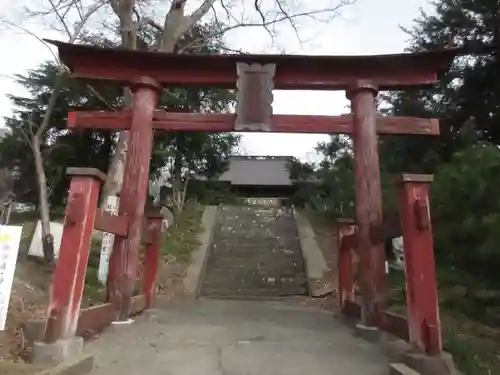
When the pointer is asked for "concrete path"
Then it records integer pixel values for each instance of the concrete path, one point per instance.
(210, 337)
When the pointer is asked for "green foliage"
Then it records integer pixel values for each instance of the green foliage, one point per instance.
(465, 161)
(93, 290)
(327, 188)
(469, 91)
(60, 148)
(181, 239)
(466, 211)
(210, 192)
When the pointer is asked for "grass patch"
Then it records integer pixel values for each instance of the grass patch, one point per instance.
(182, 238)
(93, 290)
(474, 346)
(397, 292)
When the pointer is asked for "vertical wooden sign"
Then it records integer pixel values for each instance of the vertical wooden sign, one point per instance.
(254, 97)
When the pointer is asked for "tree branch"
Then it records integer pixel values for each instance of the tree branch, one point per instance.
(267, 23)
(194, 18)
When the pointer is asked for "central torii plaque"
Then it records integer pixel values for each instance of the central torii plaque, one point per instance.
(254, 97)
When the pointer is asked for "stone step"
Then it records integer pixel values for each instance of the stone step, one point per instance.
(253, 292)
(252, 252)
(242, 273)
(245, 245)
(257, 260)
(257, 241)
(246, 242)
(239, 219)
(278, 266)
(262, 280)
(288, 270)
(257, 286)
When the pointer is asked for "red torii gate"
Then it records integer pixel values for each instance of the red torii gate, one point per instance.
(255, 76)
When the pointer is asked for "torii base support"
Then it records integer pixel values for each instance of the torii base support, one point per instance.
(421, 286)
(57, 352)
(124, 258)
(59, 341)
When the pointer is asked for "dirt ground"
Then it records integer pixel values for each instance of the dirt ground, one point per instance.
(30, 293)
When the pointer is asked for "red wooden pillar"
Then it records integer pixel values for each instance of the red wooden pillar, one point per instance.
(69, 277)
(421, 287)
(368, 200)
(152, 257)
(345, 228)
(124, 258)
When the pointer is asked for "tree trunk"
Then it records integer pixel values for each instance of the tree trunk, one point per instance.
(47, 238)
(177, 184)
(114, 177)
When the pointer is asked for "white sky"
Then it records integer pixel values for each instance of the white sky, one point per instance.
(370, 27)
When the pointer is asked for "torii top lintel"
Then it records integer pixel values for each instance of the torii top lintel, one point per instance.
(293, 72)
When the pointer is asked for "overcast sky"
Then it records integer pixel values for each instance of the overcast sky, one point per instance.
(370, 27)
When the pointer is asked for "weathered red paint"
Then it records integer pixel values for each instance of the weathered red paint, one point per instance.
(152, 258)
(389, 72)
(421, 286)
(124, 258)
(390, 322)
(105, 222)
(224, 122)
(69, 277)
(93, 319)
(344, 258)
(368, 200)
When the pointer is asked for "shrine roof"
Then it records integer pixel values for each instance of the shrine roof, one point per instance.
(258, 171)
(391, 71)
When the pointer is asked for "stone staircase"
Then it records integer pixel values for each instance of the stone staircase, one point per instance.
(255, 252)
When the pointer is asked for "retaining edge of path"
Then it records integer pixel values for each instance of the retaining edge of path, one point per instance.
(194, 273)
(79, 365)
(316, 266)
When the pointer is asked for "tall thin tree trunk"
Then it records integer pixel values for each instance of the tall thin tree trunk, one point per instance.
(177, 184)
(9, 211)
(114, 178)
(47, 238)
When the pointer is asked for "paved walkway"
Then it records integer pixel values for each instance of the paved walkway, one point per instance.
(210, 337)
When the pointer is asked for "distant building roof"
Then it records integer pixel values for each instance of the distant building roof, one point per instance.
(258, 171)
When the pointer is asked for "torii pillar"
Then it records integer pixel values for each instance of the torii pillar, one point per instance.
(362, 95)
(124, 258)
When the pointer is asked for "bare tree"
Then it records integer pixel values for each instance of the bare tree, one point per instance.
(228, 15)
(71, 17)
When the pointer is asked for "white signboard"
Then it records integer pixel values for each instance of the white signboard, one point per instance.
(107, 241)
(10, 238)
(36, 247)
(399, 252)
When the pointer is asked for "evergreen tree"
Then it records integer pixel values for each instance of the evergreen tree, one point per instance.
(470, 91)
